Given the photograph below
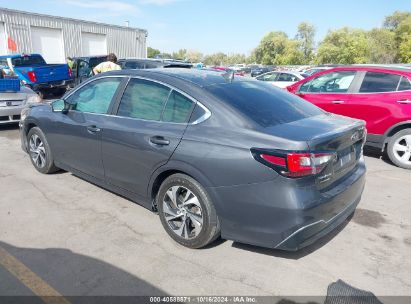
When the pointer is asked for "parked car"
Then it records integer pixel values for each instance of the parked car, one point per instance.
(35, 73)
(316, 70)
(13, 100)
(381, 96)
(83, 67)
(281, 79)
(225, 69)
(152, 64)
(259, 71)
(214, 155)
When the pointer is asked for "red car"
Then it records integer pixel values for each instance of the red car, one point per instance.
(379, 95)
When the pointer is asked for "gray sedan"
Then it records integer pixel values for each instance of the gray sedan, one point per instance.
(214, 154)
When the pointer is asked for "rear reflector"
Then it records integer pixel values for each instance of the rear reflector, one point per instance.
(275, 160)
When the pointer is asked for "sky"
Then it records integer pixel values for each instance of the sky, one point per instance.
(209, 26)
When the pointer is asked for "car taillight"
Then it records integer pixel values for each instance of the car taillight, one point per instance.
(295, 164)
(70, 72)
(32, 76)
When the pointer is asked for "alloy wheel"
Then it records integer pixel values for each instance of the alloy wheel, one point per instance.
(182, 211)
(402, 149)
(37, 151)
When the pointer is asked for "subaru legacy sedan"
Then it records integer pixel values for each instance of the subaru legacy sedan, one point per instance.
(214, 154)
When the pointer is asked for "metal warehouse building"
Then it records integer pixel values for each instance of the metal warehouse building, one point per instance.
(57, 37)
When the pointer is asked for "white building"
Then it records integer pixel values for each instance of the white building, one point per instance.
(57, 37)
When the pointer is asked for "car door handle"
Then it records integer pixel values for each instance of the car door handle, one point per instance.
(159, 140)
(337, 101)
(404, 101)
(93, 129)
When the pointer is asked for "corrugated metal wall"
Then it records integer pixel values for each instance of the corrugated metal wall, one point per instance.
(123, 41)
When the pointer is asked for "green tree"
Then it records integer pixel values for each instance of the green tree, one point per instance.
(382, 46)
(151, 53)
(277, 49)
(345, 46)
(305, 36)
(393, 21)
(181, 54)
(194, 56)
(215, 59)
(403, 38)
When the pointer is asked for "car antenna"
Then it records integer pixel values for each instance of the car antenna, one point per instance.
(229, 75)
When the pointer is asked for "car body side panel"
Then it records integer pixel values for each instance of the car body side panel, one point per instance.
(129, 157)
(73, 144)
(266, 214)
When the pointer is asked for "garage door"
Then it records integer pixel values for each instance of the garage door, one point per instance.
(49, 43)
(93, 44)
(3, 40)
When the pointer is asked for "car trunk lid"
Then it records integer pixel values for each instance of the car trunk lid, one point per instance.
(51, 72)
(342, 136)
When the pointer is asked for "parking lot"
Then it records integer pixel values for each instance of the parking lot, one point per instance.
(62, 235)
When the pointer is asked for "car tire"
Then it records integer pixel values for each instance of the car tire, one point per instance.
(399, 149)
(190, 217)
(39, 151)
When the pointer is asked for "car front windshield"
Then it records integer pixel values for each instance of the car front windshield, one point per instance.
(264, 104)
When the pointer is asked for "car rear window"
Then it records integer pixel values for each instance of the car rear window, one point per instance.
(263, 103)
(375, 82)
(27, 61)
(404, 84)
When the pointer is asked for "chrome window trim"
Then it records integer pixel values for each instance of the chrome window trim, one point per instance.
(201, 119)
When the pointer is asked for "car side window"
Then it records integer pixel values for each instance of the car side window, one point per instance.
(84, 68)
(178, 108)
(134, 65)
(333, 82)
(287, 77)
(268, 77)
(405, 84)
(96, 96)
(143, 99)
(376, 82)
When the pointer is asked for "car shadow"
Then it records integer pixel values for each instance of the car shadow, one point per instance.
(296, 255)
(376, 153)
(77, 277)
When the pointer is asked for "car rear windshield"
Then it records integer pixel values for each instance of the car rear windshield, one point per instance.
(27, 61)
(263, 103)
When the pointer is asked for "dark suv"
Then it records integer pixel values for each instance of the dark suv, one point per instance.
(127, 64)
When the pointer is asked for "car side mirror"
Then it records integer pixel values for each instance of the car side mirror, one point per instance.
(60, 105)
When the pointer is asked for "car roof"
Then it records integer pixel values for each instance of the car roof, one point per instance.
(89, 57)
(376, 67)
(199, 77)
(18, 55)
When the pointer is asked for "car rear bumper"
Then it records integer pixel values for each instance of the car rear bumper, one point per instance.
(285, 214)
(52, 85)
(10, 114)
